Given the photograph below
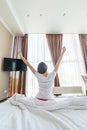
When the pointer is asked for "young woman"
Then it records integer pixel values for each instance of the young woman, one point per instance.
(45, 80)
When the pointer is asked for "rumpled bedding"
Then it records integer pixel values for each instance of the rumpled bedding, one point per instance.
(62, 113)
(76, 102)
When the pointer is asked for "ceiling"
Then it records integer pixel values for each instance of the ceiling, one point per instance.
(44, 16)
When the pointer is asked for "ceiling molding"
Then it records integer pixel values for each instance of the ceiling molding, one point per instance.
(14, 15)
(6, 26)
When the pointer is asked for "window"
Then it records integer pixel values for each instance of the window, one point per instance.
(71, 68)
(37, 52)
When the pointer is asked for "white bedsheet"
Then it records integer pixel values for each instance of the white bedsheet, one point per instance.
(75, 102)
(21, 116)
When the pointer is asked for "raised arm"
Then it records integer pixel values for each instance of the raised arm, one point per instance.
(26, 62)
(59, 60)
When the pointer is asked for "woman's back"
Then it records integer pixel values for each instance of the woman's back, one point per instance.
(46, 84)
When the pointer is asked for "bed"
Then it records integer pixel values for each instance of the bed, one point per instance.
(65, 113)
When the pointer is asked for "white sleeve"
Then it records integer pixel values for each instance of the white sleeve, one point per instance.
(36, 74)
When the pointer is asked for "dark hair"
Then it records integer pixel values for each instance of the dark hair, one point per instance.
(42, 68)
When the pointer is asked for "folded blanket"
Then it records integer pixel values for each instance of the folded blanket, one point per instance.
(23, 102)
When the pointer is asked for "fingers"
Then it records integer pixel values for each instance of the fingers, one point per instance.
(19, 53)
(64, 48)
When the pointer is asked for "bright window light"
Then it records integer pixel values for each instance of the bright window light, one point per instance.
(71, 67)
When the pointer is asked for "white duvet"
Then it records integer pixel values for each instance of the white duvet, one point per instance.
(74, 102)
(21, 113)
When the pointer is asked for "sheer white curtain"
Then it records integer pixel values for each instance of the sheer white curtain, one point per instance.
(71, 67)
(37, 52)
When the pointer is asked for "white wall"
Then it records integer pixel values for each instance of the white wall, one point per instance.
(5, 51)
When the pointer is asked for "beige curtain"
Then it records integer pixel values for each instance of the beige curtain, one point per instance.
(83, 41)
(55, 44)
(18, 79)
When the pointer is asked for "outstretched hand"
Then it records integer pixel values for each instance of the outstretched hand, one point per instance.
(20, 53)
(63, 49)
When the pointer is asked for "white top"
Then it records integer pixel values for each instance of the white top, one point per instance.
(46, 84)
